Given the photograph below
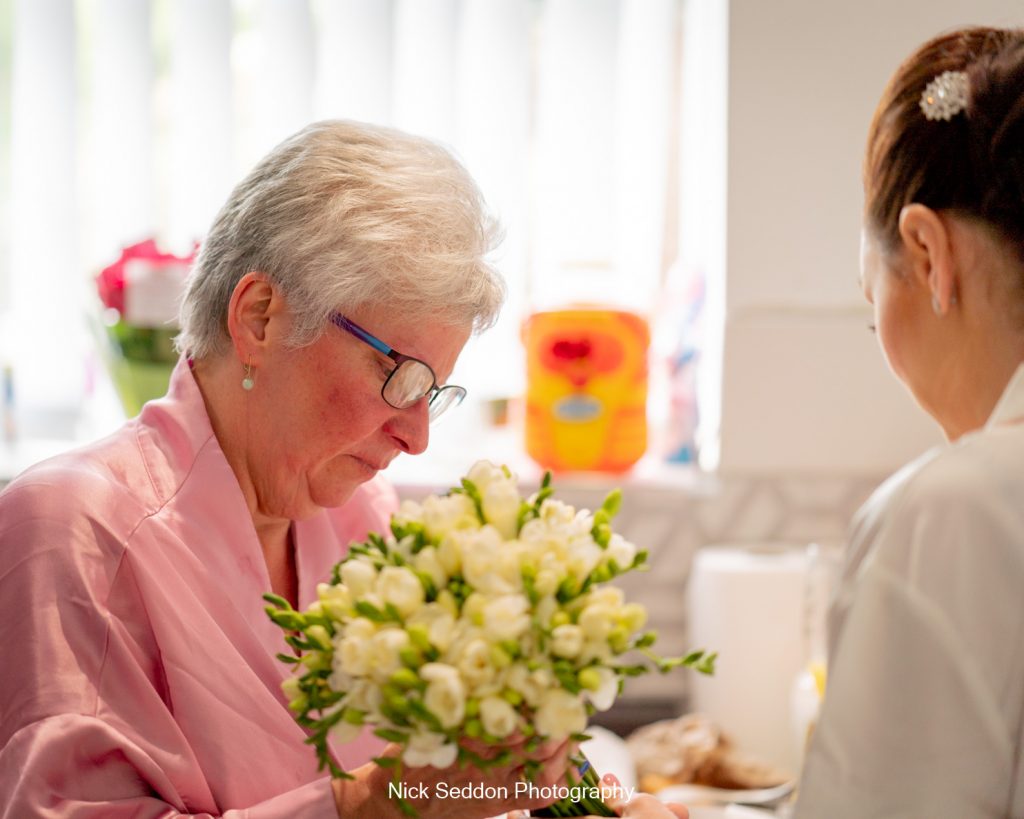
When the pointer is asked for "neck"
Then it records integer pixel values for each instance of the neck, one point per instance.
(973, 395)
(231, 418)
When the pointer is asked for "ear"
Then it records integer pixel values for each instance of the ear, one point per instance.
(928, 253)
(254, 312)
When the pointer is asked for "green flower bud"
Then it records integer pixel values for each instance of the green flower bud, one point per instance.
(512, 697)
(500, 658)
(589, 679)
(316, 660)
(419, 636)
(405, 678)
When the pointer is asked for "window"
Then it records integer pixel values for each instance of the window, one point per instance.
(134, 118)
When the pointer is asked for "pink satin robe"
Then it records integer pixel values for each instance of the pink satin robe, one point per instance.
(138, 675)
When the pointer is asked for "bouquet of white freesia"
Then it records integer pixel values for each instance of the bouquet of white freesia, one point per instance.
(482, 616)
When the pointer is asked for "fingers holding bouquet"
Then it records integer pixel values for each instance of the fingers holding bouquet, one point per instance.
(642, 806)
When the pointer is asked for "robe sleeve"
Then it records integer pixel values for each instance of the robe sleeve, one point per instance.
(74, 765)
(87, 725)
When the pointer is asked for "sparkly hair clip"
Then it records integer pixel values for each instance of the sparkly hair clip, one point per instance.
(945, 96)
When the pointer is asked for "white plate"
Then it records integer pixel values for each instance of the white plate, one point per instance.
(702, 795)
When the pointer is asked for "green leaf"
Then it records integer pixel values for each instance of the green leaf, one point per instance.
(371, 612)
(386, 761)
(474, 495)
(646, 640)
(390, 735)
(612, 503)
(278, 601)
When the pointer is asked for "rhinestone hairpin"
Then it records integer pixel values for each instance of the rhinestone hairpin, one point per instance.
(945, 96)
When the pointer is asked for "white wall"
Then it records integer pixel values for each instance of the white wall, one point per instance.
(805, 387)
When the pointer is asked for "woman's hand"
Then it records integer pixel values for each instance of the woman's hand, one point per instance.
(457, 792)
(643, 806)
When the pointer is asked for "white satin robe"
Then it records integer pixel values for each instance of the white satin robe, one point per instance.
(924, 707)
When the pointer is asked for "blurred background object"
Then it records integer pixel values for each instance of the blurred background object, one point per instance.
(139, 295)
(586, 388)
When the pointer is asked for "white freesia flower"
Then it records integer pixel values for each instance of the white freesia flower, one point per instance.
(359, 575)
(506, 617)
(603, 693)
(451, 513)
(408, 512)
(445, 696)
(439, 623)
(401, 588)
(474, 662)
(427, 748)
(484, 473)
(352, 651)
(557, 515)
(499, 718)
(547, 581)
(595, 650)
(336, 601)
(486, 564)
(384, 655)
(545, 609)
(428, 562)
(530, 685)
(583, 555)
(449, 554)
(610, 596)
(621, 551)
(596, 621)
(567, 640)
(364, 695)
(560, 714)
(499, 496)
(633, 616)
(340, 679)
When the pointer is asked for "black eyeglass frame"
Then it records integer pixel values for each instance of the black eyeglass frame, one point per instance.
(453, 393)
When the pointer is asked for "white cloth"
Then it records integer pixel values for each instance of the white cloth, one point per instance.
(924, 711)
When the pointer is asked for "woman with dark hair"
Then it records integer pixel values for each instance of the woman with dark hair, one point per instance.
(924, 711)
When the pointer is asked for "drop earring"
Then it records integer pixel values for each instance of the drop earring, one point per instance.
(248, 382)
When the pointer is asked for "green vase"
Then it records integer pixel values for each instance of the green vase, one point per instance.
(140, 361)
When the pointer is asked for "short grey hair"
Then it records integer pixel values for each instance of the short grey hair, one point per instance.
(341, 215)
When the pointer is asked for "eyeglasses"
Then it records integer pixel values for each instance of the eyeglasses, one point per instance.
(410, 380)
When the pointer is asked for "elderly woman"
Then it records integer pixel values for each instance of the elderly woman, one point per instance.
(924, 714)
(326, 311)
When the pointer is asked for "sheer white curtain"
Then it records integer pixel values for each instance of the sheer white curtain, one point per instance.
(133, 118)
